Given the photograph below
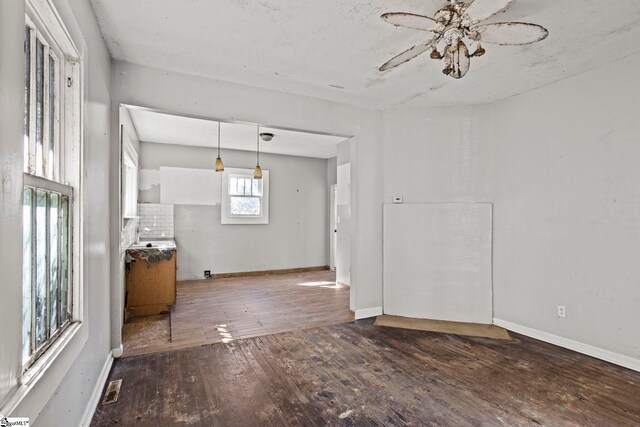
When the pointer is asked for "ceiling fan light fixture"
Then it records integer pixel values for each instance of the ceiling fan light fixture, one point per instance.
(479, 51)
(435, 54)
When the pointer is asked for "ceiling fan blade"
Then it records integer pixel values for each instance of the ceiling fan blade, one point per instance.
(406, 56)
(480, 10)
(410, 20)
(510, 33)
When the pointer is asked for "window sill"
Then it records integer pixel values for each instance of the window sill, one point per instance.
(40, 366)
(39, 383)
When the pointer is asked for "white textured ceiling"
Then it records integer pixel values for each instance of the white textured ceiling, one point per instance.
(152, 126)
(332, 49)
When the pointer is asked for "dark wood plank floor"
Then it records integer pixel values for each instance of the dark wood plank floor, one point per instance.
(223, 310)
(359, 374)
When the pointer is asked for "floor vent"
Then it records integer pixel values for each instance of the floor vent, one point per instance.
(112, 393)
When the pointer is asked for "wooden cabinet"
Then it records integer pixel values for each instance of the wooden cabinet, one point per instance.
(151, 281)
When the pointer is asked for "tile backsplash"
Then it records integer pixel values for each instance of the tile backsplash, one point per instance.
(158, 218)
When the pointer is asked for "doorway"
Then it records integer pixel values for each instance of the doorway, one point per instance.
(333, 226)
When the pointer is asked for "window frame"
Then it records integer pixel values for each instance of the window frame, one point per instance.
(39, 183)
(65, 177)
(225, 209)
(250, 196)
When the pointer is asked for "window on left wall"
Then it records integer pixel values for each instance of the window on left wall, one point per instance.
(52, 165)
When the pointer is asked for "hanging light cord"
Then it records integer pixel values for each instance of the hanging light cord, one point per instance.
(258, 145)
(219, 124)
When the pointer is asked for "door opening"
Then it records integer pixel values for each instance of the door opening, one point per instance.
(333, 227)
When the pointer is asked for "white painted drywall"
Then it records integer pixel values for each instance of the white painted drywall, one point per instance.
(437, 261)
(332, 171)
(129, 128)
(438, 155)
(127, 228)
(567, 213)
(11, 155)
(343, 246)
(560, 165)
(52, 398)
(189, 186)
(296, 235)
(344, 184)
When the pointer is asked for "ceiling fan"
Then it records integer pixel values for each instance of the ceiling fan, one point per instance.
(456, 23)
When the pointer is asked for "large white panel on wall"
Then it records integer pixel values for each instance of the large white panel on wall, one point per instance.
(437, 261)
(185, 186)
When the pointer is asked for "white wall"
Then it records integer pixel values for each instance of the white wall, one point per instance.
(343, 225)
(567, 217)
(11, 157)
(560, 165)
(296, 235)
(83, 373)
(129, 128)
(438, 154)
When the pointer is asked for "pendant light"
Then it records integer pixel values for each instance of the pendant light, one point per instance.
(219, 164)
(257, 172)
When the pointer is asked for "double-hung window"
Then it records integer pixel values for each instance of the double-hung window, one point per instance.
(245, 200)
(52, 159)
(245, 196)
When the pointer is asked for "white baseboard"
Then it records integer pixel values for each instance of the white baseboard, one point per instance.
(117, 351)
(363, 313)
(589, 350)
(97, 392)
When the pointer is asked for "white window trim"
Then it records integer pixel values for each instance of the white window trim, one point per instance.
(39, 383)
(225, 217)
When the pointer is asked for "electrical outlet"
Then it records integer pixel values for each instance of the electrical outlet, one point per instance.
(562, 311)
(207, 274)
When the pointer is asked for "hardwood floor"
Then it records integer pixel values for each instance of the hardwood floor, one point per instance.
(358, 374)
(227, 309)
